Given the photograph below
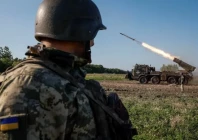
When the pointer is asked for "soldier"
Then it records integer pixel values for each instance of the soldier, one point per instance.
(182, 81)
(46, 97)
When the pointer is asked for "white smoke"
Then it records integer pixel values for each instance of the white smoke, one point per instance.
(158, 51)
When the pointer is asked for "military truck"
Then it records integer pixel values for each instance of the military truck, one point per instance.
(144, 74)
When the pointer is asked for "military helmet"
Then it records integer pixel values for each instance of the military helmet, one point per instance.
(68, 20)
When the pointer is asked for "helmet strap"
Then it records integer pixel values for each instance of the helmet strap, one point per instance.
(87, 54)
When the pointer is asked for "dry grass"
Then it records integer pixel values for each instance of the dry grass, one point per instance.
(176, 120)
(100, 77)
(159, 111)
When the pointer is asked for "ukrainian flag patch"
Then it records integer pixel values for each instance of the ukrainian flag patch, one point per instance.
(10, 123)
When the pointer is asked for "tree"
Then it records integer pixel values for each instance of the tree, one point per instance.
(16, 61)
(91, 68)
(5, 53)
(169, 67)
(6, 59)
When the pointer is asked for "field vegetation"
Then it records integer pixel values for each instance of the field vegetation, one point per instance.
(157, 111)
(106, 77)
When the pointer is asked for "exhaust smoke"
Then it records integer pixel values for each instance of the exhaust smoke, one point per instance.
(153, 49)
(158, 51)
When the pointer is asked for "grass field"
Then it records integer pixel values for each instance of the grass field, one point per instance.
(109, 77)
(159, 112)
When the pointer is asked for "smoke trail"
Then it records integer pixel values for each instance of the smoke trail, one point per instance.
(158, 51)
(153, 49)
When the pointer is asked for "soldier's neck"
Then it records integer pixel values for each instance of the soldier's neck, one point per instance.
(75, 48)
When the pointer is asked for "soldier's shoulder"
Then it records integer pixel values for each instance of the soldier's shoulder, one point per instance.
(32, 82)
(97, 90)
(93, 82)
(34, 71)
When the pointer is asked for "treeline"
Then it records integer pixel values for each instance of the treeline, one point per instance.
(92, 68)
(7, 60)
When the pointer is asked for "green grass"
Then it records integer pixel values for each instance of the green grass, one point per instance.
(171, 118)
(111, 77)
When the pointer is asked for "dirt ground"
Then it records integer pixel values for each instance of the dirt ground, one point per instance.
(161, 109)
(128, 88)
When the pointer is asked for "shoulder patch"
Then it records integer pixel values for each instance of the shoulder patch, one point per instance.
(9, 123)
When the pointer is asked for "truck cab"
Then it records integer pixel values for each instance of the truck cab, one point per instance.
(141, 72)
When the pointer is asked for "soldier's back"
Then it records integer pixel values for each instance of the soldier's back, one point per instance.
(53, 106)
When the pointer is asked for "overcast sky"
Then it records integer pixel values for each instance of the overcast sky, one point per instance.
(170, 25)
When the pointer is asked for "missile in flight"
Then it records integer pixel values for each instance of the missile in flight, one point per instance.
(131, 38)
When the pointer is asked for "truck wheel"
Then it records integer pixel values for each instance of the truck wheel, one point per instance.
(172, 80)
(143, 80)
(155, 80)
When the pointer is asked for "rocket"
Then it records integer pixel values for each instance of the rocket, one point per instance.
(131, 38)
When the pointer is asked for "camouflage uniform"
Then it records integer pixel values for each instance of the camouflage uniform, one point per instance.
(182, 82)
(52, 103)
